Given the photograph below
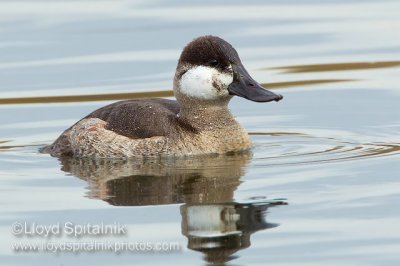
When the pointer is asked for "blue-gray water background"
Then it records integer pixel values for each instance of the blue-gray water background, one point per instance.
(330, 149)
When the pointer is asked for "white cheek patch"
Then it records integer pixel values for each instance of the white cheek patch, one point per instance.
(199, 82)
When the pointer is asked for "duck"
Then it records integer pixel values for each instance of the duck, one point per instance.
(209, 73)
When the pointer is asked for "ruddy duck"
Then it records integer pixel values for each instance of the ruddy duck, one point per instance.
(208, 75)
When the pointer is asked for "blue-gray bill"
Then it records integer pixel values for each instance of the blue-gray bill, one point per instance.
(245, 86)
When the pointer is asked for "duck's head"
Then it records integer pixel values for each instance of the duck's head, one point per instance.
(210, 71)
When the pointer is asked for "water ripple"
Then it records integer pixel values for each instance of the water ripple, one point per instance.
(280, 148)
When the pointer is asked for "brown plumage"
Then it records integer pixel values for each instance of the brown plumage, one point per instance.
(124, 118)
(199, 122)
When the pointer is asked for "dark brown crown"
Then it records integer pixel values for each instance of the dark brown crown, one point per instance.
(209, 51)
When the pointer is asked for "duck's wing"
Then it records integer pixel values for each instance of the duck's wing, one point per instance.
(144, 118)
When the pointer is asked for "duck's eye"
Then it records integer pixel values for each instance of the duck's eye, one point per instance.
(213, 63)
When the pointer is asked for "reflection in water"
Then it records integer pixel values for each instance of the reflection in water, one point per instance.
(300, 83)
(203, 179)
(220, 230)
(149, 94)
(213, 223)
(87, 98)
(169, 93)
(10, 147)
(337, 67)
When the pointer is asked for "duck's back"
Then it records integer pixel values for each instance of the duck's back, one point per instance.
(134, 119)
(138, 119)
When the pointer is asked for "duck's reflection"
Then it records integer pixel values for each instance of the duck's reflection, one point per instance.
(220, 230)
(213, 223)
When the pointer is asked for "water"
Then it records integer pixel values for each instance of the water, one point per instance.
(320, 187)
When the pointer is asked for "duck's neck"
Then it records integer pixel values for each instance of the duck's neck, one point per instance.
(207, 116)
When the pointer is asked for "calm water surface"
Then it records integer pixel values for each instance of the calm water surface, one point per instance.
(321, 186)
